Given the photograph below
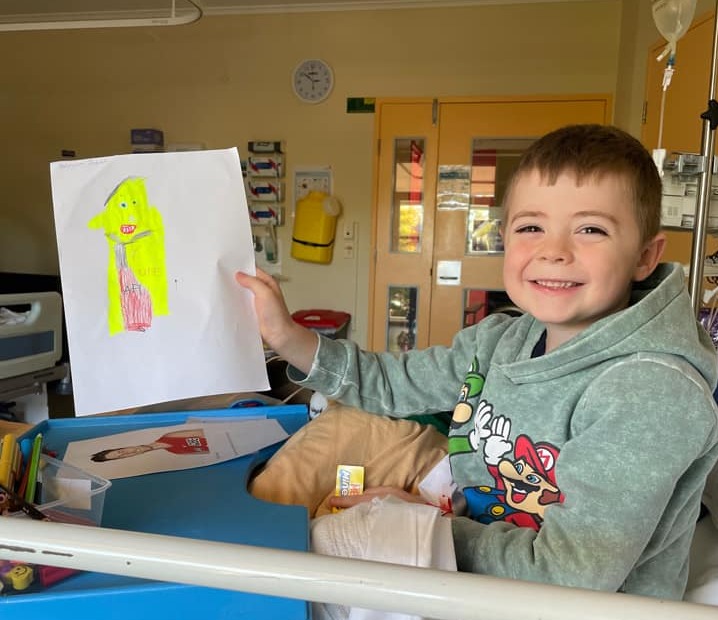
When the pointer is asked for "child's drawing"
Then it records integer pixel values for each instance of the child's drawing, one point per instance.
(133, 250)
(136, 271)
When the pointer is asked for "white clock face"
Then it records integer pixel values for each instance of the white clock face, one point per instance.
(312, 80)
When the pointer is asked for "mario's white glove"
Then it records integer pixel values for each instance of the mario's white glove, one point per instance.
(498, 444)
(481, 428)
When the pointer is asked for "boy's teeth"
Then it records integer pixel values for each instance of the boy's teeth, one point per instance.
(551, 284)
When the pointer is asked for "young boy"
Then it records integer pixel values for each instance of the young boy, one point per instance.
(582, 431)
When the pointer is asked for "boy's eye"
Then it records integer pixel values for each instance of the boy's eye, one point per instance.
(528, 228)
(592, 230)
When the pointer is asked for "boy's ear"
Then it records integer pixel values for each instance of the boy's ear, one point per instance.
(650, 257)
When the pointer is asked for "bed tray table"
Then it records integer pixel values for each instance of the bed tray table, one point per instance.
(204, 503)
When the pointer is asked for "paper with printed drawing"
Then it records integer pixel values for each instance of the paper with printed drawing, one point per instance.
(170, 448)
(148, 246)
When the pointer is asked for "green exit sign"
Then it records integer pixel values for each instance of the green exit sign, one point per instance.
(360, 105)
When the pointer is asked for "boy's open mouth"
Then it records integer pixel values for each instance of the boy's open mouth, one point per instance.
(556, 284)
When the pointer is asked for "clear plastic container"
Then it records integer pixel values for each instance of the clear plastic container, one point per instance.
(69, 494)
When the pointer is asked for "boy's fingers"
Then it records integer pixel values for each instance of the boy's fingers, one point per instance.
(253, 282)
(267, 279)
(348, 501)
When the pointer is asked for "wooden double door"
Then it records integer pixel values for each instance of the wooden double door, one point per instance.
(441, 168)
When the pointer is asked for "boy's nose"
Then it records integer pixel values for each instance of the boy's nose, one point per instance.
(555, 251)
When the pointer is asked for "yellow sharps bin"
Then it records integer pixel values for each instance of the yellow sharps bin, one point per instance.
(315, 225)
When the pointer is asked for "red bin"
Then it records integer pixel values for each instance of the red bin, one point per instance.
(331, 323)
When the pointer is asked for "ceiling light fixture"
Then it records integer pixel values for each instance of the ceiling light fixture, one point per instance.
(174, 18)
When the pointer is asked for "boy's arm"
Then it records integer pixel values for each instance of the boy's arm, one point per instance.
(425, 381)
(292, 341)
(418, 382)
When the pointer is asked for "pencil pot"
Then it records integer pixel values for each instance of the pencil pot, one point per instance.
(66, 494)
(69, 494)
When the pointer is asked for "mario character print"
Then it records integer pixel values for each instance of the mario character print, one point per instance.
(525, 480)
(523, 471)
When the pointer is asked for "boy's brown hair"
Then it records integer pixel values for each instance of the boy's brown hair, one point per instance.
(593, 151)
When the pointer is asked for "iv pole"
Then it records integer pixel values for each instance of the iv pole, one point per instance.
(700, 222)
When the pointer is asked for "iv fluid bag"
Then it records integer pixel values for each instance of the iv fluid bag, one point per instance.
(672, 18)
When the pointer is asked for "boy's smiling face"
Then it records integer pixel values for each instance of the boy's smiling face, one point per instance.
(572, 251)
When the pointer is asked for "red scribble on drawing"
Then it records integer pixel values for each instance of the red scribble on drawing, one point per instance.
(135, 301)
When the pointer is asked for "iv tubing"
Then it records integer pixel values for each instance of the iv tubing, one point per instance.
(667, 77)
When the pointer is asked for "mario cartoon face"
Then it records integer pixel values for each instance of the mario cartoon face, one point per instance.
(472, 386)
(530, 479)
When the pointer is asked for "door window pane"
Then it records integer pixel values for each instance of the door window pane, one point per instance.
(493, 162)
(483, 231)
(407, 220)
(401, 330)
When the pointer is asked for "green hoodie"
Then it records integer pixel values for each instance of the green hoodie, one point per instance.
(581, 467)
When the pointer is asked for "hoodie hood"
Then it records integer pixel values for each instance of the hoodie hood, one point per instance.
(659, 320)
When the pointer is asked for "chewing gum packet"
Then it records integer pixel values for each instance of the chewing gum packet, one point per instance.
(350, 481)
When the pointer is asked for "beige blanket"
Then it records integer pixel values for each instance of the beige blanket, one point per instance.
(393, 452)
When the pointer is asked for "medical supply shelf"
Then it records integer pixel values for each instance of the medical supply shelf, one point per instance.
(209, 503)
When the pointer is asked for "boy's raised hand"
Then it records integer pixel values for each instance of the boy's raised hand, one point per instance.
(292, 341)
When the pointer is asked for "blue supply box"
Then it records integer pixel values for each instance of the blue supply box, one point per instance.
(210, 503)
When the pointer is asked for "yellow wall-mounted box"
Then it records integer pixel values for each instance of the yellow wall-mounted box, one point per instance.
(315, 224)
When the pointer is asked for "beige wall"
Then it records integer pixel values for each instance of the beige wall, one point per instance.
(226, 80)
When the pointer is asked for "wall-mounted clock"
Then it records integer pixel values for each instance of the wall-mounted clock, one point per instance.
(312, 80)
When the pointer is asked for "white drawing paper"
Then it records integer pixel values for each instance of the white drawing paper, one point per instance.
(170, 448)
(148, 246)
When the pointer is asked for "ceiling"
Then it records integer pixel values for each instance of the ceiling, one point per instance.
(60, 14)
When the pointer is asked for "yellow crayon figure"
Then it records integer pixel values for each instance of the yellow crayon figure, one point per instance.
(136, 270)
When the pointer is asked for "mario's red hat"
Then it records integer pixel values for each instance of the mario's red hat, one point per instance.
(541, 456)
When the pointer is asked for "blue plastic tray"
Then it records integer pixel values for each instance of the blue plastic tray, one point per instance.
(208, 503)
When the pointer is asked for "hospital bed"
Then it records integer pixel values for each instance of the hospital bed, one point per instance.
(31, 343)
(189, 570)
(29, 352)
